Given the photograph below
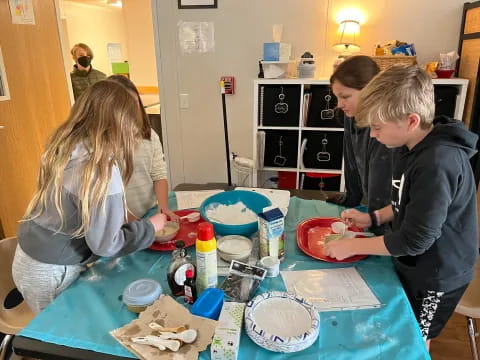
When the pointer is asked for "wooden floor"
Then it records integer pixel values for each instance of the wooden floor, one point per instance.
(453, 343)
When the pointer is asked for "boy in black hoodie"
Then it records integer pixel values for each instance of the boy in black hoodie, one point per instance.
(435, 237)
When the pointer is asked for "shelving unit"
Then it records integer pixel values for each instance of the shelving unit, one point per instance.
(302, 126)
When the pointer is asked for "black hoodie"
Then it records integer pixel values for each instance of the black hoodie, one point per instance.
(435, 236)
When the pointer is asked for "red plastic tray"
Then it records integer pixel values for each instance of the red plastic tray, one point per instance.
(187, 233)
(317, 251)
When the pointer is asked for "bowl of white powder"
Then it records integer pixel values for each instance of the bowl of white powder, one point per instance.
(234, 212)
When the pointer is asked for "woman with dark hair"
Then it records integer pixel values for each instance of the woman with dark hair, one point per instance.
(367, 163)
(148, 186)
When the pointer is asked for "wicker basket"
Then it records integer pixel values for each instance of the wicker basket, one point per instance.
(385, 62)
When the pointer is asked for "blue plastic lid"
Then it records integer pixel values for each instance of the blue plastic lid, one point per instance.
(209, 304)
(141, 292)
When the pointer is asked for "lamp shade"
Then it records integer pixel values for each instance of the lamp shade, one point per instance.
(348, 34)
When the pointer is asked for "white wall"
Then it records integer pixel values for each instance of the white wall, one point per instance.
(141, 45)
(195, 135)
(95, 26)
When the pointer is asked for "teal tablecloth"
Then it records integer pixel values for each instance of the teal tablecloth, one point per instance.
(83, 315)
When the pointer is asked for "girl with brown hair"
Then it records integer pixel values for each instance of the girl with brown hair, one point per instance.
(367, 163)
(148, 187)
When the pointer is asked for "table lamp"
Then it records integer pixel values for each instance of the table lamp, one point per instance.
(348, 36)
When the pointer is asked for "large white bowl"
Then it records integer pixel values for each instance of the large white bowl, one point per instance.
(282, 322)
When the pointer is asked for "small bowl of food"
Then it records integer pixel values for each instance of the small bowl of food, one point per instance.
(234, 247)
(168, 232)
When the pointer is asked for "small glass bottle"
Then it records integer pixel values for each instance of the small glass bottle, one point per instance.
(179, 264)
(190, 288)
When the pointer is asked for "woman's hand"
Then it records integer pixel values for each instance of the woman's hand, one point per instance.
(356, 218)
(158, 221)
(130, 216)
(171, 215)
(339, 249)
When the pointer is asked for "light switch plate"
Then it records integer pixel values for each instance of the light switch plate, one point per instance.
(184, 101)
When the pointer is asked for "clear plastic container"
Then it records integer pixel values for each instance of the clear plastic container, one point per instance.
(140, 294)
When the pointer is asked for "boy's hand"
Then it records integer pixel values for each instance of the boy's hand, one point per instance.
(339, 249)
(171, 215)
(356, 218)
(158, 221)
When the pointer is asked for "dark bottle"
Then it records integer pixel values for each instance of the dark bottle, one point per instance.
(180, 263)
(190, 287)
(260, 70)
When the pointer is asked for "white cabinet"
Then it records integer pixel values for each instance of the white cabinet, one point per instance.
(298, 138)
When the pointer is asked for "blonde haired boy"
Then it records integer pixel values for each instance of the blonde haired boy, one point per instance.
(83, 74)
(434, 242)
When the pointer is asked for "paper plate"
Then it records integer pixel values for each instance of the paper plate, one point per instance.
(314, 247)
(281, 322)
(187, 233)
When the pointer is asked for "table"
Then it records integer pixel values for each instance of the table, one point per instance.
(67, 329)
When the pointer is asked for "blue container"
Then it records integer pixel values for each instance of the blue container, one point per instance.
(252, 200)
(209, 304)
(271, 51)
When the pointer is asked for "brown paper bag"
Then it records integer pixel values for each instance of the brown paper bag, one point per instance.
(167, 313)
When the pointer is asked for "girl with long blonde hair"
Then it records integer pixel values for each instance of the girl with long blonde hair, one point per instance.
(78, 212)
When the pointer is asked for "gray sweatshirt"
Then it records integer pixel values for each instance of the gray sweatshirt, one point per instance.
(107, 234)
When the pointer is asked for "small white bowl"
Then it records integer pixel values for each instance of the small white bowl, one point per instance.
(234, 247)
(168, 232)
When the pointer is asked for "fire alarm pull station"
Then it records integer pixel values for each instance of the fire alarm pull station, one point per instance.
(229, 84)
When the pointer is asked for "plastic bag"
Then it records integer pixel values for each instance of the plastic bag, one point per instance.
(242, 281)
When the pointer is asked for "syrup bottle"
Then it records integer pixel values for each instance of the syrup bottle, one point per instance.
(179, 264)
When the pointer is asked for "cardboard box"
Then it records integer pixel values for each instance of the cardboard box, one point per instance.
(271, 225)
(275, 51)
(226, 340)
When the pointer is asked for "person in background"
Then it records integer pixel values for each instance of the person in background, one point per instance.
(78, 212)
(367, 163)
(434, 238)
(83, 74)
(148, 186)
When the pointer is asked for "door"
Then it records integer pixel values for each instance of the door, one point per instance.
(39, 102)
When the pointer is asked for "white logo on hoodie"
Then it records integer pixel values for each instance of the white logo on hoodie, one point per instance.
(398, 185)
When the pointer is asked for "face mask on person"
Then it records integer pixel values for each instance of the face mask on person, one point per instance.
(84, 61)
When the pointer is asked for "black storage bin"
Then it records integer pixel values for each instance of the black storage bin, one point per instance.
(322, 149)
(286, 156)
(273, 111)
(321, 112)
(445, 100)
(325, 183)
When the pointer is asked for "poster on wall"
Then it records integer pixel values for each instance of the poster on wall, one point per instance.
(196, 37)
(4, 92)
(22, 12)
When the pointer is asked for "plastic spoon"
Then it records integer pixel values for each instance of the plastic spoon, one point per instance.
(192, 217)
(339, 227)
(351, 234)
(187, 336)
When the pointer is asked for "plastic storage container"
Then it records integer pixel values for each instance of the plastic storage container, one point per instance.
(209, 304)
(140, 294)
